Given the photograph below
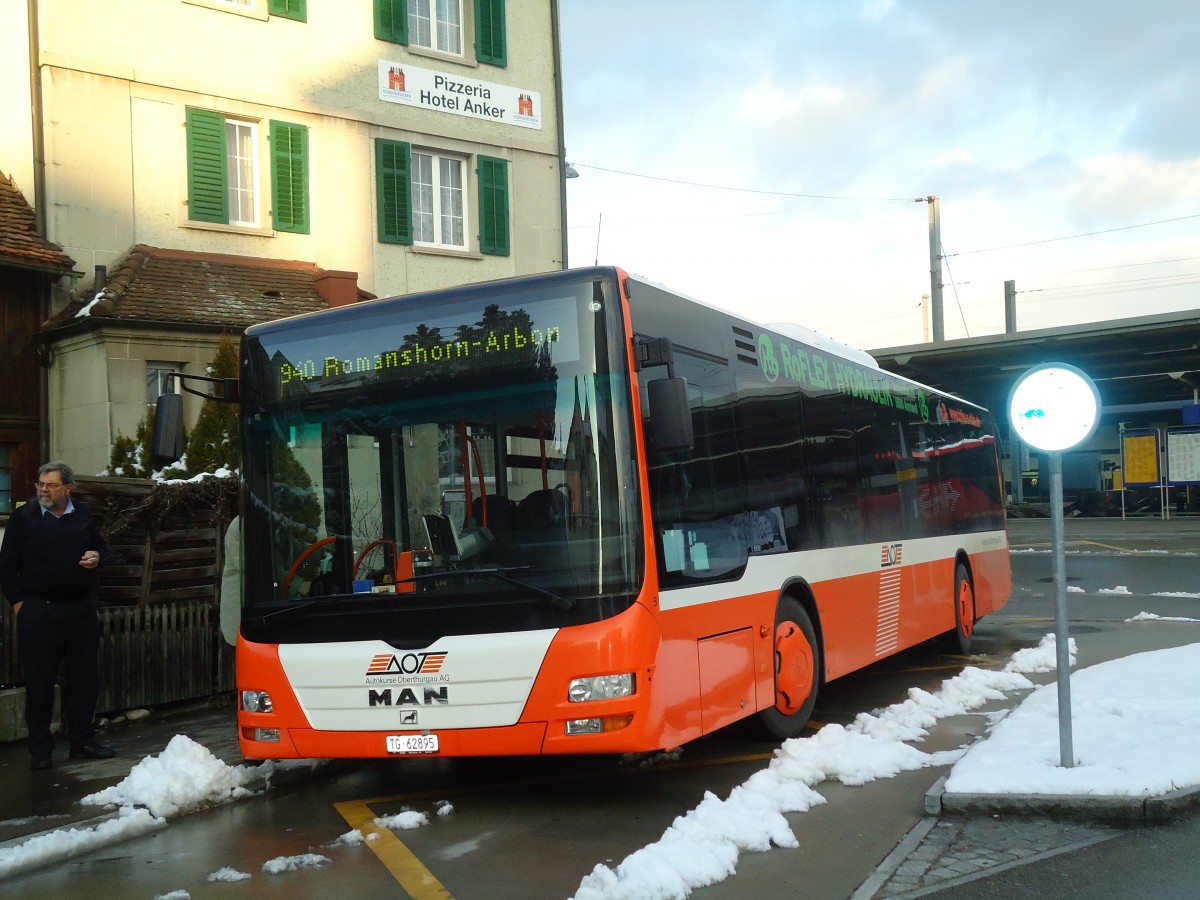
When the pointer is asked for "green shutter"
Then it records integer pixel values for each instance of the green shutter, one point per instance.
(289, 9)
(491, 45)
(493, 206)
(208, 179)
(289, 177)
(393, 191)
(391, 21)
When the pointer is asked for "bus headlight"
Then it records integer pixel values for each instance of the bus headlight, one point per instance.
(257, 702)
(601, 687)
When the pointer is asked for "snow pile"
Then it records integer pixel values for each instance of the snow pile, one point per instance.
(282, 864)
(702, 847)
(184, 777)
(53, 846)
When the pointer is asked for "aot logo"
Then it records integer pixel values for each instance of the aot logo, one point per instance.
(891, 555)
(766, 358)
(407, 664)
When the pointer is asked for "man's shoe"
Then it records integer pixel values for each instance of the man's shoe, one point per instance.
(92, 750)
(40, 762)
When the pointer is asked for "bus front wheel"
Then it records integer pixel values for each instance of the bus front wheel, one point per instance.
(797, 672)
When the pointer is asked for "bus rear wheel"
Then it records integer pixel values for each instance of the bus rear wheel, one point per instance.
(959, 640)
(797, 672)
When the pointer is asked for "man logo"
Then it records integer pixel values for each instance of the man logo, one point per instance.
(408, 697)
(407, 664)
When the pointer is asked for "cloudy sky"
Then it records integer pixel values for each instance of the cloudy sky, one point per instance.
(765, 156)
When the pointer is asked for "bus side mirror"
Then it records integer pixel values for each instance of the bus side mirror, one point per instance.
(670, 415)
(167, 444)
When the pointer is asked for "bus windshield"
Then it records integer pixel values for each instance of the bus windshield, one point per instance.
(462, 461)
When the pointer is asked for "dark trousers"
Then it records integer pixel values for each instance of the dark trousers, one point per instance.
(54, 635)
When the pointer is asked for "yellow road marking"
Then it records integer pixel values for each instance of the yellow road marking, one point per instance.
(411, 874)
(1034, 545)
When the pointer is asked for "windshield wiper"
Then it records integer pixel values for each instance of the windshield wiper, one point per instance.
(299, 606)
(557, 600)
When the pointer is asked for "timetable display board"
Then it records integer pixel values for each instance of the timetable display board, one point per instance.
(1139, 457)
(1183, 456)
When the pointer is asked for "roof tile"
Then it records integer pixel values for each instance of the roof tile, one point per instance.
(187, 287)
(21, 244)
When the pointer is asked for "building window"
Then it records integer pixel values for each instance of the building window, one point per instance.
(439, 25)
(224, 166)
(436, 24)
(422, 198)
(6, 478)
(157, 382)
(241, 166)
(437, 200)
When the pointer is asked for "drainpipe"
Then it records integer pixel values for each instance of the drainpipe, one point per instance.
(38, 145)
(562, 140)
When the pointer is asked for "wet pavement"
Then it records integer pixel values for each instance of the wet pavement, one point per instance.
(942, 852)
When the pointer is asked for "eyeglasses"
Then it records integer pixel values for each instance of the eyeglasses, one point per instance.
(47, 486)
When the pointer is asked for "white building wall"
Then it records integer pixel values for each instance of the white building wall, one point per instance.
(116, 80)
(115, 95)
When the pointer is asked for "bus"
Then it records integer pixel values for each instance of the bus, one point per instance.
(577, 512)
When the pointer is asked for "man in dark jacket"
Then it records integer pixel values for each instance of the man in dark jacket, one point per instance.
(52, 549)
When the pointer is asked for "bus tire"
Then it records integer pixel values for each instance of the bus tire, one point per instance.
(797, 672)
(959, 640)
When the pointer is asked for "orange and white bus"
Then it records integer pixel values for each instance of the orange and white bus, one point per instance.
(579, 513)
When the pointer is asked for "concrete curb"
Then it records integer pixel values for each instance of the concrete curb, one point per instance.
(1071, 806)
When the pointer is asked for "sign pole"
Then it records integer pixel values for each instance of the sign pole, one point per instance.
(1054, 407)
(1062, 642)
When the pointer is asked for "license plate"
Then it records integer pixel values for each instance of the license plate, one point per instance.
(412, 743)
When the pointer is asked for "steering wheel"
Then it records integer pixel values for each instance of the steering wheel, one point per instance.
(378, 542)
(304, 554)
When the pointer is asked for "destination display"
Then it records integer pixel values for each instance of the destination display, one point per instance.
(387, 350)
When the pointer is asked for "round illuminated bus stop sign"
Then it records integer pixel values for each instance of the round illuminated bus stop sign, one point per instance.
(1053, 407)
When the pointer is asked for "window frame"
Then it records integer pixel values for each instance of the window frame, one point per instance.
(437, 195)
(236, 166)
(484, 21)
(161, 369)
(251, 9)
(487, 199)
(435, 27)
(281, 146)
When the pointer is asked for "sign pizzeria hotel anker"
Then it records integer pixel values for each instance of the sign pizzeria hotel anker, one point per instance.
(443, 92)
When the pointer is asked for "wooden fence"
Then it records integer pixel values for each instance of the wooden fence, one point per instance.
(159, 595)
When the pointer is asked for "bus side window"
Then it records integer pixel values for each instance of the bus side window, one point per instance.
(832, 453)
(696, 495)
(774, 469)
